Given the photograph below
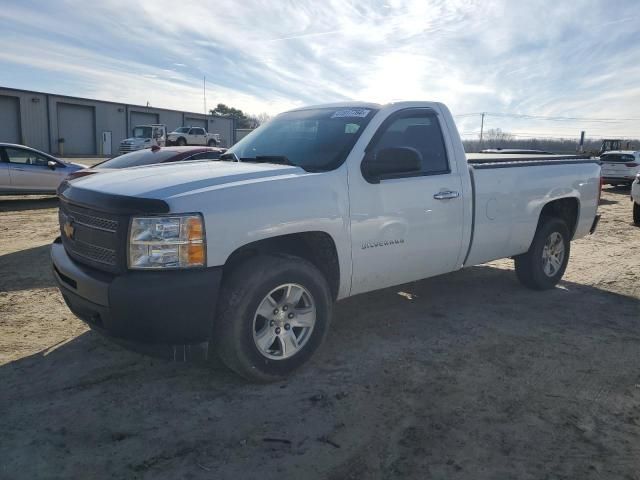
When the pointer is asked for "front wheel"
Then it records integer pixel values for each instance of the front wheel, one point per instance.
(182, 142)
(543, 266)
(636, 213)
(273, 315)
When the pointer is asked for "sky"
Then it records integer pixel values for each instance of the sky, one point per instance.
(578, 61)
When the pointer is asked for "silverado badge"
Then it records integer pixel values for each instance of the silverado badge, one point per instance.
(69, 229)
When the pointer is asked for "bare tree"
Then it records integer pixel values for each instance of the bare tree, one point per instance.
(263, 117)
(496, 135)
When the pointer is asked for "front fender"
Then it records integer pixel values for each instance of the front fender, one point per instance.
(245, 212)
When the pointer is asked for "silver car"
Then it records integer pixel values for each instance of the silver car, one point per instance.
(24, 170)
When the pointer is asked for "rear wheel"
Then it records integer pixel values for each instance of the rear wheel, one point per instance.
(274, 313)
(211, 143)
(543, 266)
(182, 142)
(636, 213)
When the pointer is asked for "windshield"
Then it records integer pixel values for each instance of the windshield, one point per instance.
(142, 132)
(140, 157)
(316, 140)
(181, 130)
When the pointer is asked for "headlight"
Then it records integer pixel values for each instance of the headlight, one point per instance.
(174, 241)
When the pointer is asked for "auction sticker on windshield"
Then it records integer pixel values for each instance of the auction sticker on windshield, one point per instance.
(351, 113)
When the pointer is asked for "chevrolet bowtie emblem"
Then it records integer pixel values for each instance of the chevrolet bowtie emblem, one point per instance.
(69, 229)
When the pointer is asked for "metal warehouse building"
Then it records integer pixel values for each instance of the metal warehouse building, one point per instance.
(58, 124)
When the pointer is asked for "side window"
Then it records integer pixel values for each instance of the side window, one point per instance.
(419, 130)
(193, 131)
(25, 157)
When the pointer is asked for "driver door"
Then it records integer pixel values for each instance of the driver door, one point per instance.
(407, 227)
(29, 171)
(197, 136)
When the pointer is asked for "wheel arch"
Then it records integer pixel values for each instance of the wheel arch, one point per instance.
(317, 247)
(566, 208)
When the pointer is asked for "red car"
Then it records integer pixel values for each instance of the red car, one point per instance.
(151, 156)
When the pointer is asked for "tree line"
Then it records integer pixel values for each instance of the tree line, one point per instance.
(243, 120)
(496, 138)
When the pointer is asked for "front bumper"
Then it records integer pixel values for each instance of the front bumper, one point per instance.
(168, 310)
(612, 179)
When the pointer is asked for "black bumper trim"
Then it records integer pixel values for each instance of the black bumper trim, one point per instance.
(618, 179)
(594, 225)
(169, 308)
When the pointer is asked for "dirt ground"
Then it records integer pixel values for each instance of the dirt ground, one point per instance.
(471, 376)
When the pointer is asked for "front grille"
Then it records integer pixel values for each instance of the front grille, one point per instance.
(92, 237)
(128, 148)
(106, 256)
(93, 221)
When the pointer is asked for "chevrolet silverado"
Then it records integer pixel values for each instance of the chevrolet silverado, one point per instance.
(246, 257)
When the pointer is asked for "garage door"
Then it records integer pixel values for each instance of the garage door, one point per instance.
(195, 122)
(76, 124)
(9, 119)
(143, 118)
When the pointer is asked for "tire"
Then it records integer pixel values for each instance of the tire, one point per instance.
(211, 143)
(530, 266)
(636, 213)
(181, 142)
(239, 324)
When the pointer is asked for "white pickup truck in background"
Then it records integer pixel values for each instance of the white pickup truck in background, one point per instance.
(144, 136)
(247, 256)
(193, 136)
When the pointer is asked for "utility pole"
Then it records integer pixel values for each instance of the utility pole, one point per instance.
(581, 145)
(204, 93)
(481, 127)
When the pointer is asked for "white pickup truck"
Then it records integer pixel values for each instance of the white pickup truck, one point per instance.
(247, 256)
(193, 136)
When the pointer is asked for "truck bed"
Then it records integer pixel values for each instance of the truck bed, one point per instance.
(508, 201)
(517, 159)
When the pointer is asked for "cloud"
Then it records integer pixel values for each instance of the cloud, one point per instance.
(540, 57)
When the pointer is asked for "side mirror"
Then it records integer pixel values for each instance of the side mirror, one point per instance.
(390, 162)
(52, 165)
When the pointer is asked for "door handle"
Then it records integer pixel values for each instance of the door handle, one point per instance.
(446, 195)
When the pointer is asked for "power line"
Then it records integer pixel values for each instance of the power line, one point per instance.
(551, 118)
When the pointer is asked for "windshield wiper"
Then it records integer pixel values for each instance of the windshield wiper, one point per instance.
(278, 159)
(229, 156)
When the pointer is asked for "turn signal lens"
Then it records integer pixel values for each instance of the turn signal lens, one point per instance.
(194, 229)
(196, 254)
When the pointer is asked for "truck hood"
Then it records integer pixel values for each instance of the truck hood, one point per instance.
(164, 181)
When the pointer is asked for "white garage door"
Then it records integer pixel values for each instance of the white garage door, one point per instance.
(195, 122)
(76, 124)
(143, 118)
(9, 119)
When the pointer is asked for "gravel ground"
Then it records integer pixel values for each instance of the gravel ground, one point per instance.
(465, 376)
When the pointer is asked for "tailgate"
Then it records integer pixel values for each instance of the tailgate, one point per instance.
(618, 165)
